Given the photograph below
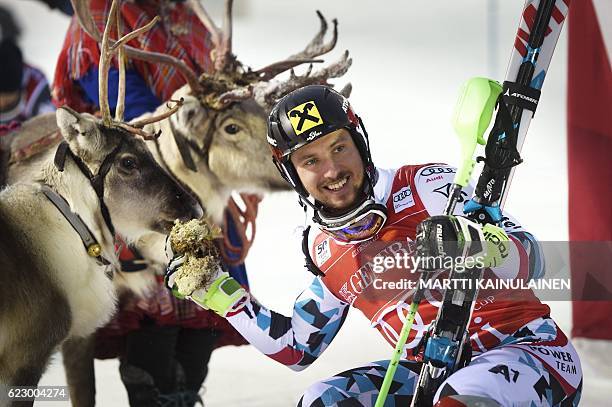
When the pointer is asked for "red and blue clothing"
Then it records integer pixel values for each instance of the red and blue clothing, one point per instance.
(180, 34)
(507, 327)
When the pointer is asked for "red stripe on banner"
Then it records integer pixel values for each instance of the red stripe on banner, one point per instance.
(524, 35)
(589, 165)
(529, 15)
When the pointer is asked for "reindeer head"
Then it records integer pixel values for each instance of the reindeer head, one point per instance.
(222, 124)
(139, 195)
(229, 143)
(234, 102)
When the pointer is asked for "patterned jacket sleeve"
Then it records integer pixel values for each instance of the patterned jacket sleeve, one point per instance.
(433, 186)
(294, 341)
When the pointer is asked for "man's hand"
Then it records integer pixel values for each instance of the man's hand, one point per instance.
(220, 295)
(176, 261)
(457, 238)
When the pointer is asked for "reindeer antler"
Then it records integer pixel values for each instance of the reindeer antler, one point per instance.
(266, 93)
(316, 47)
(83, 15)
(257, 84)
(153, 119)
(136, 127)
(230, 83)
(221, 55)
(321, 76)
(107, 49)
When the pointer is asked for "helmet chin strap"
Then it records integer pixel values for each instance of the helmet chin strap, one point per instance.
(326, 212)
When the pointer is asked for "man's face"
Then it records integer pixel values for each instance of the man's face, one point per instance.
(331, 169)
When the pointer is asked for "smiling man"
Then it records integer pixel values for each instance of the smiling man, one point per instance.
(331, 170)
(518, 354)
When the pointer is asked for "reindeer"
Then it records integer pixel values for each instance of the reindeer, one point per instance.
(214, 145)
(57, 245)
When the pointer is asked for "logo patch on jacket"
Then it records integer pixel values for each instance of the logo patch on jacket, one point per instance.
(403, 199)
(322, 252)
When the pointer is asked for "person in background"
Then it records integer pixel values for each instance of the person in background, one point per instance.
(24, 90)
(62, 5)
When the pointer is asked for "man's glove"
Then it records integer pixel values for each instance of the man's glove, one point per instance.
(444, 239)
(221, 294)
(176, 261)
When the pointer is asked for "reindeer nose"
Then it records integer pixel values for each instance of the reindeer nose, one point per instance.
(192, 206)
(197, 211)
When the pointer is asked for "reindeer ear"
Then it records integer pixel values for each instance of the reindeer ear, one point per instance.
(79, 130)
(74, 124)
(191, 114)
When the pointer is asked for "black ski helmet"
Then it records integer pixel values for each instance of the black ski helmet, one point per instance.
(308, 114)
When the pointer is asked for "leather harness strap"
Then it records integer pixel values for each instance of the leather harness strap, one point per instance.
(94, 249)
(89, 241)
(97, 180)
(186, 146)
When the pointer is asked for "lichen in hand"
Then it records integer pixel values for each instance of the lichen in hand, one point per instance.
(195, 239)
(191, 236)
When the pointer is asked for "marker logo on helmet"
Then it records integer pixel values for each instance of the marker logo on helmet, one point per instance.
(304, 117)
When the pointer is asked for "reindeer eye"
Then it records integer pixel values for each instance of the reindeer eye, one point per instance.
(128, 163)
(232, 128)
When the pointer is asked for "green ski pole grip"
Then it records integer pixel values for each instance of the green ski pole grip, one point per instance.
(472, 116)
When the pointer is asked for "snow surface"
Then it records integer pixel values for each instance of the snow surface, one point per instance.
(409, 59)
